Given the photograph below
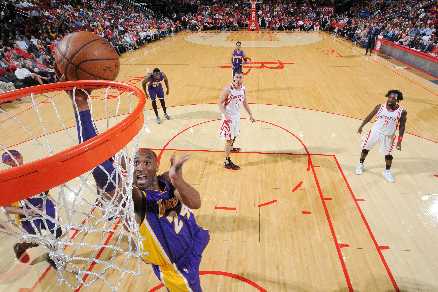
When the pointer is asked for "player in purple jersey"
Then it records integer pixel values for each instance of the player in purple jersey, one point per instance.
(34, 214)
(155, 89)
(238, 58)
(172, 240)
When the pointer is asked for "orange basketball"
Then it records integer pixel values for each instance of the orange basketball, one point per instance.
(86, 56)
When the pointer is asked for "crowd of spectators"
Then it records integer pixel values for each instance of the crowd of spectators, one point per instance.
(271, 14)
(31, 28)
(410, 23)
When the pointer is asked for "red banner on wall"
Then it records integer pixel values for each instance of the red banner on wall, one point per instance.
(253, 23)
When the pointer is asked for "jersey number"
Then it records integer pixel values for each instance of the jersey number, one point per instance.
(178, 224)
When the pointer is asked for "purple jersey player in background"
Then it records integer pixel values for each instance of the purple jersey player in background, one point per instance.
(155, 89)
(172, 240)
(237, 59)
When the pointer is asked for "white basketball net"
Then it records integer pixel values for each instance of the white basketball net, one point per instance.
(100, 239)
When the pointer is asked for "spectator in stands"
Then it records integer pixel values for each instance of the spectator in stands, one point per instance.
(27, 78)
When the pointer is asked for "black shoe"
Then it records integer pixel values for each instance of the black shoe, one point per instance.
(235, 149)
(228, 164)
(21, 247)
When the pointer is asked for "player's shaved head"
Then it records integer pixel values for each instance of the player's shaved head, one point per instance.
(146, 152)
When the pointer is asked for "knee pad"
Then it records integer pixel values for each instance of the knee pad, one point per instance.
(388, 157)
(364, 151)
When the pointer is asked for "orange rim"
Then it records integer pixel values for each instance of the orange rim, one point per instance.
(21, 182)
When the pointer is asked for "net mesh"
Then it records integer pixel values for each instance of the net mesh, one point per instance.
(87, 234)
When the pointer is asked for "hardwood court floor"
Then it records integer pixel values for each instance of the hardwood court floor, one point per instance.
(295, 218)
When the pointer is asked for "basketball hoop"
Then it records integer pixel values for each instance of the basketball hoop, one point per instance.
(32, 178)
(82, 221)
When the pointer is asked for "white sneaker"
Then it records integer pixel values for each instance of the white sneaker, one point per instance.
(359, 169)
(388, 176)
(158, 120)
(167, 116)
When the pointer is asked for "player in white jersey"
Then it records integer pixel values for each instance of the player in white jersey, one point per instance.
(231, 99)
(389, 117)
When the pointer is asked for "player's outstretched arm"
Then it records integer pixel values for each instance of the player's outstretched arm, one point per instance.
(104, 174)
(368, 118)
(401, 129)
(187, 194)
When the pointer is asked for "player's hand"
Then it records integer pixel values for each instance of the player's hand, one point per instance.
(398, 145)
(59, 77)
(251, 118)
(175, 171)
(359, 130)
(167, 91)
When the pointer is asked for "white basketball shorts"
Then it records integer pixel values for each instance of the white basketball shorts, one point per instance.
(229, 129)
(373, 137)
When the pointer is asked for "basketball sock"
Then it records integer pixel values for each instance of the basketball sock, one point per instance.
(163, 105)
(154, 106)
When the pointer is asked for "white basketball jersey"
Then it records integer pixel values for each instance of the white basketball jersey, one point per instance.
(234, 100)
(387, 121)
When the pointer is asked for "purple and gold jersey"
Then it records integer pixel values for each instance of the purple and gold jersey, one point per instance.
(238, 56)
(172, 240)
(155, 82)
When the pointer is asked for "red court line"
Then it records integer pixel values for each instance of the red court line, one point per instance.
(260, 121)
(24, 110)
(309, 167)
(266, 203)
(332, 231)
(321, 111)
(225, 208)
(240, 152)
(297, 186)
(383, 247)
(221, 273)
(370, 232)
(57, 131)
(170, 141)
(99, 253)
(46, 271)
(179, 133)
